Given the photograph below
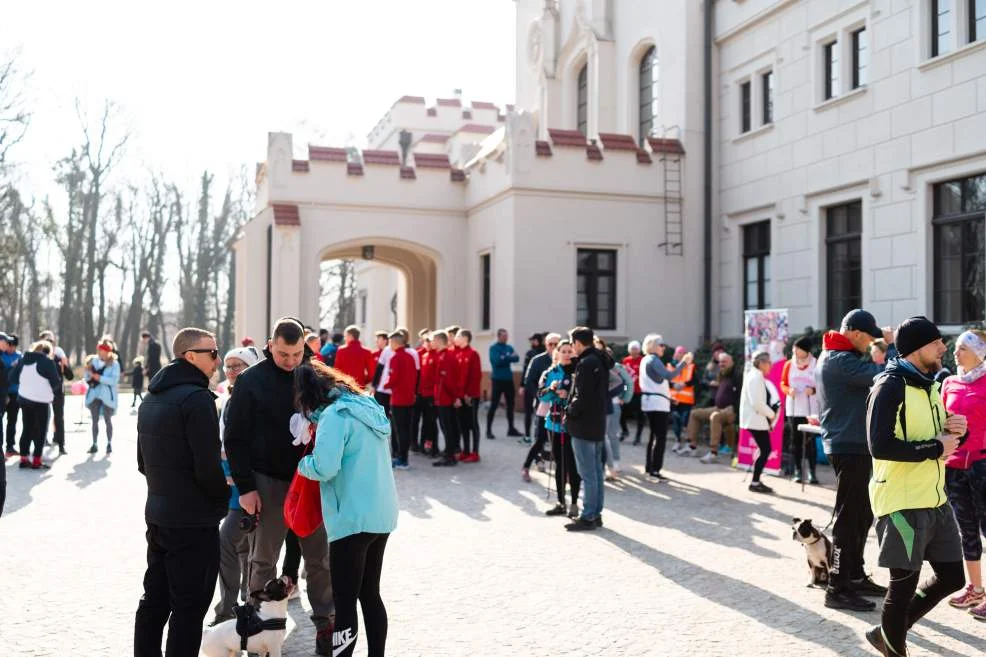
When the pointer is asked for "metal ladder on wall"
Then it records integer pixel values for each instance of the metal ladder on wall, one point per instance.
(673, 243)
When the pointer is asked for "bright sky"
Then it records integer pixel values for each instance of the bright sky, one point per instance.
(202, 83)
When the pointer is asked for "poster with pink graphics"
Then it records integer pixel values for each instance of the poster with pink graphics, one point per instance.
(765, 330)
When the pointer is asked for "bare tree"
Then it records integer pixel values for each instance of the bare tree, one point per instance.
(14, 117)
(338, 286)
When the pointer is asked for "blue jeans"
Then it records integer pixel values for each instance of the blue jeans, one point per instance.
(679, 420)
(589, 461)
(613, 436)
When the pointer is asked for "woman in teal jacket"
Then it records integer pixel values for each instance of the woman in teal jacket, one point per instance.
(103, 376)
(352, 461)
(555, 387)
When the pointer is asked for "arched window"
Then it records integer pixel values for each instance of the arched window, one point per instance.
(582, 101)
(648, 94)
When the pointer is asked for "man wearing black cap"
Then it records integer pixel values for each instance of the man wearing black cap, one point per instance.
(844, 380)
(910, 436)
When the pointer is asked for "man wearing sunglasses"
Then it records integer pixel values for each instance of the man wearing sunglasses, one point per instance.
(187, 496)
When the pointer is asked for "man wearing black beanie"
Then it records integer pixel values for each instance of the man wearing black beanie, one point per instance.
(910, 436)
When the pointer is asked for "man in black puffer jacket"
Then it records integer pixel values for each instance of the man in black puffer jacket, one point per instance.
(586, 423)
(187, 496)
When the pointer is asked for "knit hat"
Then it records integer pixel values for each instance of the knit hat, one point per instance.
(248, 355)
(914, 333)
(679, 351)
(803, 343)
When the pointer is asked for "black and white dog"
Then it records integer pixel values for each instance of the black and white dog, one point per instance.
(818, 549)
(265, 631)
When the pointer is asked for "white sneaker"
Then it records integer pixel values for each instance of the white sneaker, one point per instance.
(687, 450)
(709, 458)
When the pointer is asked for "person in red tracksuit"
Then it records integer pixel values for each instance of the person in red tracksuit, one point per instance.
(425, 405)
(470, 370)
(402, 379)
(448, 396)
(354, 359)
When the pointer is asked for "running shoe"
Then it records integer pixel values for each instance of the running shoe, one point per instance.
(513, 433)
(402, 465)
(875, 636)
(760, 487)
(867, 587)
(445, 462)
(471, 457)
(573, 511)
(688, 451)
(556, 510)
(968, 598)
(979, 613)
(709, 458)
(93, 449)
(525, 474)
(461, 456)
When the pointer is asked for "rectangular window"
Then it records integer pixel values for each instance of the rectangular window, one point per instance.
(830, 54)
(596, 291)
(977, 20)
(941, 27)
(960, 253)
(756, 266)
(767, 80)
(745, 106)
(484, 273)
(860, 59)
(843, 262)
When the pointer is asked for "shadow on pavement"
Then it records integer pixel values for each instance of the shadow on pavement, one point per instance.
(89, 471)
(19, 485)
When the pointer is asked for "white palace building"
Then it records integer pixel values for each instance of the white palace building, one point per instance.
(666, 165)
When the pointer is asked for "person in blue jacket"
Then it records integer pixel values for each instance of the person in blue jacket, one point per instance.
(502, 356)
(10, 357)
(103, 377)
(352, 460)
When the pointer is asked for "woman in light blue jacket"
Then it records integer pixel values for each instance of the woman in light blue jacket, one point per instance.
(352, 461)
(103, 377)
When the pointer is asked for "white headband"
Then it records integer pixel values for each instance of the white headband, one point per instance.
(973, 343)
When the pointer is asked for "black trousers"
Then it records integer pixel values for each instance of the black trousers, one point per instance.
(13, 406)
(450, 428)
(424, 412)
(182, 568)
(401, 421)
(853, 517)
(658, 421)
(501, 389)
(58, 409)
(34, 427)
(802, 446)
(565, 469)
(530, 396)
(632, 409)
(356, 563)
(468, 416)
(762, 438)
(3, 487)
(541, 437)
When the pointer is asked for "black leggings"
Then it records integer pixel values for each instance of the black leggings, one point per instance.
(565, 468)
(292, 556)
(762, 436)
(400, 420)
(355, 563)
(658, 421)
(468, 416)
(34, 428)
(501, 389)
(800, 444)
(902, 608)
(541, 437)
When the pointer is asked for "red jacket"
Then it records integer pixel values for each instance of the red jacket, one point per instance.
(402, 379)
(448, 381)
(633, 367)
(470, 369)
(429, 364)
(355, 360)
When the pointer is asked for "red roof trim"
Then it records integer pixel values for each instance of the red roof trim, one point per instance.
(542, 148)
(567, 137)
(615, 142)
(431, 161)
(477, 128)
(668, 146)
(327, 154)
(482, 104)
(593, 153)
(419, 100)
(407, 173)
(643, 157)
(299, 165)
(449, 102)
(354, 169)
(434, 138)
(286, 215)
(381, 157)
(457, 175)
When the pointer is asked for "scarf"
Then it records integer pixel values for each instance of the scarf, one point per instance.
(976, 345)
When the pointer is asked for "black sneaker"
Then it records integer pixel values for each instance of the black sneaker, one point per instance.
(490, 436)
(581, 525)
(847, 599)
(513, 433)
(61, 450)
(93, 449)
(557, 510)
(109, 448)
(598, 522)
(875, 636)
(760, 487)
(24, 465)
(867, 587)
(444, 462)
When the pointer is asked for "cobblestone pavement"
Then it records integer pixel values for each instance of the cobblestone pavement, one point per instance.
(696, 566)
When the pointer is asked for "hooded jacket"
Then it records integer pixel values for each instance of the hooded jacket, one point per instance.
(351, 459)
(968, 399)
(258, 425)
(178, 450)
(904, 414)
(843, 380)
(36, 377)
(590, 396)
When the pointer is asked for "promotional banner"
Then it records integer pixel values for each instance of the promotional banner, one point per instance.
(766, 330)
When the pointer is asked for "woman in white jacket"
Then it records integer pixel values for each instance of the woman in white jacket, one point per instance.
(758, 409)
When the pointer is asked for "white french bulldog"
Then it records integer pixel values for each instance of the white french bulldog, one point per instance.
(224, 641)
(818, 549)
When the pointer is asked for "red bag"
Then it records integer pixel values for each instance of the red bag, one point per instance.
(303, 504)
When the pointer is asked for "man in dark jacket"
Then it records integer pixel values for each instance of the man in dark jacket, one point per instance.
(844, 380)
(586, 423)
(152, 360)
(530, 389)
(263, 458)
(187, 495)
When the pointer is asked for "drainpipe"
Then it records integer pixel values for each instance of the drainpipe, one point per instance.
(707, 191)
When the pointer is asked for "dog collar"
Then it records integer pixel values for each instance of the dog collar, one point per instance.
(815, 541)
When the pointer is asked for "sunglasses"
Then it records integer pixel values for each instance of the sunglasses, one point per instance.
(213, 353)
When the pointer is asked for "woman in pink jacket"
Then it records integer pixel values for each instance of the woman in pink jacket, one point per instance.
(965, 470)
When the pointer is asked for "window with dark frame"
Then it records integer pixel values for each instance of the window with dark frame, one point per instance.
(649, 73)
(596, 288)
(484, 265)
(977, 20)
(959, 224)
(745, 119)
(860, 59)
(941, 28)
(843, 260)
(582, 101)
(830, 54)
(767, 87)
(756, 266)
